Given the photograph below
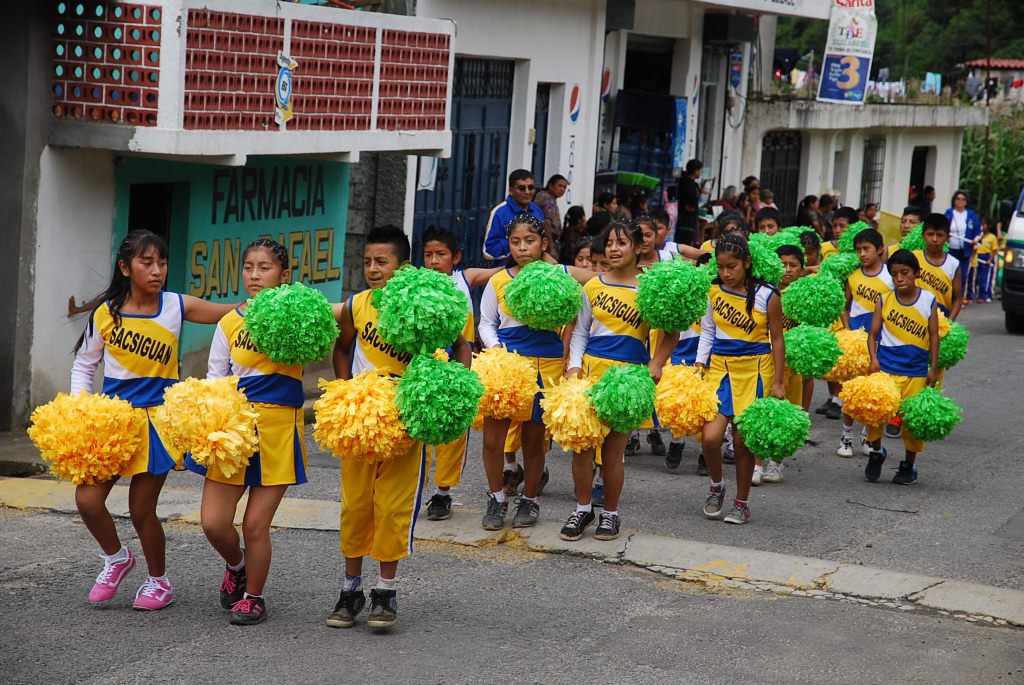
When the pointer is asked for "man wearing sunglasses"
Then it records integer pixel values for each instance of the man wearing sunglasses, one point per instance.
(521, 189)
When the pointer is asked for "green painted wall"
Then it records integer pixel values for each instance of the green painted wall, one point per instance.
(217, 210)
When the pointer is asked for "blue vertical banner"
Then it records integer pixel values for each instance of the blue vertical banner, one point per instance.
(846, 67)
(679, 136)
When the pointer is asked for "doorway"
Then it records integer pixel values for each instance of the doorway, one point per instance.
(780, 169)
(163, 209)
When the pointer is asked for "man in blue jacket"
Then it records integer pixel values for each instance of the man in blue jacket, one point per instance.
(521, 189)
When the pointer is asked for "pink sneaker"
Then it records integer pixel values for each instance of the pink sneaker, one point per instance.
(153, 595)
(110, 578)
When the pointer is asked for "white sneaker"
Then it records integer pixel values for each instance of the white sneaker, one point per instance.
(865, 446)
(758, 475)
(845, 447)
(773, 474)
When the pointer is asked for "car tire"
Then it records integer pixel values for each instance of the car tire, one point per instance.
(1014, 323)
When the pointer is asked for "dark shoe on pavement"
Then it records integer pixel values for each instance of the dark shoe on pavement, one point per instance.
(345, 611)
(494, 517)
(576, 525)
(675, 455)
(544, 478)
(875, 460)
(633, 444)
(608, 528)
(824, 406)
(834, 411)
(527, 513)
(383, 609)
(656, 442)
(439, 508)
(511, 480)
(232, 587)
(248, 611)
(702, 465)
(906, 474)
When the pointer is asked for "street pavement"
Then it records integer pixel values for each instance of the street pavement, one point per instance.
(470, 614)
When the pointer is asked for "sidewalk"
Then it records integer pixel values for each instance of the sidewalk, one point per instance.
(713, 566)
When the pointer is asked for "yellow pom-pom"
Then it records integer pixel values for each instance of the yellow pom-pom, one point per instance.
(569, 416)
(872, 400)
(86, 439)
(358, 418)
(684, 401)
(854, 360)
(944, 325)
(442, 355)
(510, 383)
(212, 419)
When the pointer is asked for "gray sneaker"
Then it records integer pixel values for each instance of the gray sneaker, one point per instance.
(773, 473)
(527, 513)
(713, 504)
(739, 514)
(494, 519)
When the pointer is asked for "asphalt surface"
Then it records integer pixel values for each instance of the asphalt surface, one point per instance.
(465, 616)
(964, 518)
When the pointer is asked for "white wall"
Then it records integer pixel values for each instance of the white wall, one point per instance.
(553, 42)
(73, 257)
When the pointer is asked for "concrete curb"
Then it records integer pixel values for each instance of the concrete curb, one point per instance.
(714, 566)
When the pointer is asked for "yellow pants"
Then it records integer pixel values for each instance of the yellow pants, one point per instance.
(449, 460)
(740, 380)
(795, 388)
(514, 437)
(379, 503)
(909, 386)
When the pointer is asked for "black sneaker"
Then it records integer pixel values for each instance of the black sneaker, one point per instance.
(494, 518)
(702, 465)
(656, 442)
(576, 524)
(232, 587)
(527, 513)
(875, 460)
(544, 478)
(511, 480)
(439, 508)
(834, 411)
(248, 611)
(383, 609)
(633, 444)
(608, 528)
(824, 406)
(905, 475)
(675, 455)
(345, 611)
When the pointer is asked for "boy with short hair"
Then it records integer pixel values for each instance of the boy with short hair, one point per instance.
(912, 216)
(864, 287)
(939, 270)
(598, 260)
(441, 253)
(379, 500)
(904, 343)
(768, 221)
(842, 219)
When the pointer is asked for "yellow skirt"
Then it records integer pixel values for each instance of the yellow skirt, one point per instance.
(281, 457)
(154, 455)
(740, 380)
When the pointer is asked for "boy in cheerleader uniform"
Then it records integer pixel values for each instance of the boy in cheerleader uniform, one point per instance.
(939, 271)
(904, 343)
(379, 500)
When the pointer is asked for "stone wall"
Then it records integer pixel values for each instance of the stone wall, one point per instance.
(376, 197)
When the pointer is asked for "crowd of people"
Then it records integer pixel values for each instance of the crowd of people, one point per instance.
(738, 345)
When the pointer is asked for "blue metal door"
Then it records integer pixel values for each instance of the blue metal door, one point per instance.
(540, 127)
(472, 181)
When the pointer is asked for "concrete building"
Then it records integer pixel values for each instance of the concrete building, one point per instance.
(160, 114)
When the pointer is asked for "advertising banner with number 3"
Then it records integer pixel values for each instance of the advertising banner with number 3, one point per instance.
(851, 45)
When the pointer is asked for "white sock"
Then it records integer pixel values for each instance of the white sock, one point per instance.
(848, 433)
(161, 579)
(119, 555)
(500, 496)
(239, 566)
(585, 507)
(443, 492)
(835, 398)
(611, 513)
(387, 583)
(247, 595)
(531, 499)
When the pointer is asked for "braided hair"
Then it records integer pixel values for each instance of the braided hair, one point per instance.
(279, 251)
(736, 245)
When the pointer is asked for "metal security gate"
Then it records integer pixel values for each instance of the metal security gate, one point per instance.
(540, 127)
(780, 170)
(473, 179)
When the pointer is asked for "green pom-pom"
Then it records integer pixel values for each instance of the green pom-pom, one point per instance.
(788, 236)
(814, 301)
(292, 324)
(420, 310)
(437, 400)
(673, 295)
(773, 429)
(811, 351)
(929, 416)
(915, 240)
(624, 397)
(839, 266)
(953, 347)
(845, 241)
(543, 296)
(765, 262)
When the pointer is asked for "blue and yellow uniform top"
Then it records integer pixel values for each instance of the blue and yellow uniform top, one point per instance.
(865, 289)
(609, 325)
(232, 353)
(370, 351)
(469, 330)
(727, 329)
(903, 340)
(686, 348)
(499, 327)
(139, 352)
(938, 278)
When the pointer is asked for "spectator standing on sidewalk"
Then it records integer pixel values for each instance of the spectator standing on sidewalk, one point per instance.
(689, 200)
(520, 200)
(547, 199)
